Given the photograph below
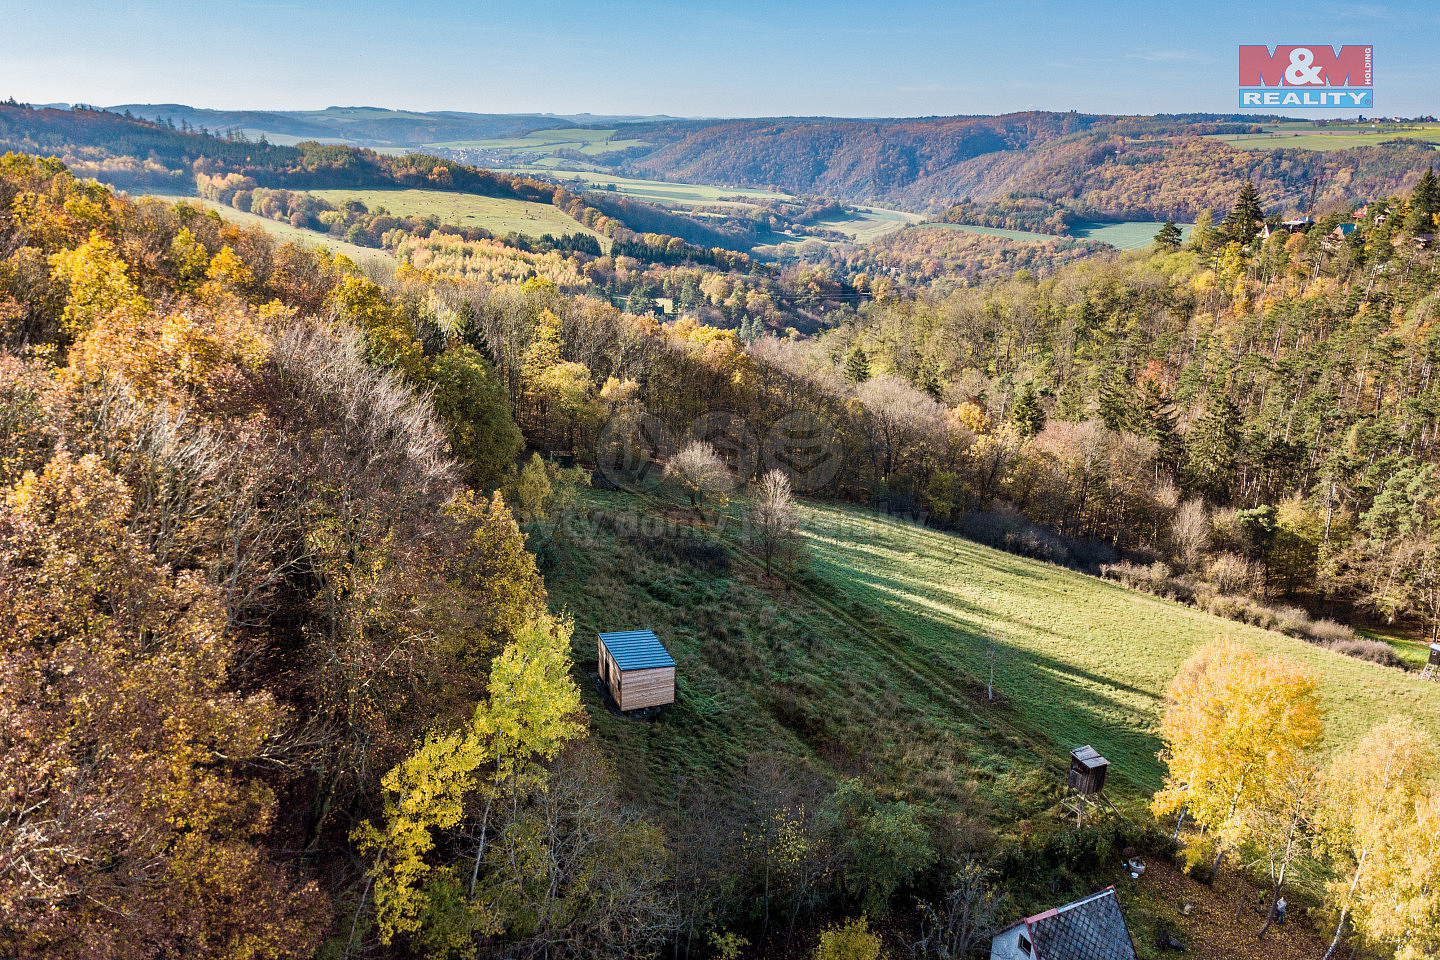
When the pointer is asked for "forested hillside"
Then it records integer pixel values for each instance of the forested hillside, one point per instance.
(1043, 169)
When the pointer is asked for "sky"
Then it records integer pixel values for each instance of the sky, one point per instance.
(694, 57)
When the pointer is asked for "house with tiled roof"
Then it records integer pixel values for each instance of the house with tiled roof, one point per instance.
(1092, 928)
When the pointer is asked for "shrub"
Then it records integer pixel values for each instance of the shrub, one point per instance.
(1375, 651)
(1328, 631)
(1232, 573)
(850, 941)
(1292, 620)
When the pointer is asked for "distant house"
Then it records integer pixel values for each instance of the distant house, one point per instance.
(637, 669)
(1088, 929)
(1337, 236)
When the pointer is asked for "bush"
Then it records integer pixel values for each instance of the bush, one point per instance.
(1232, 573)
(1293, 621)
(1328, 631)
(1375, 651)
(850, 941)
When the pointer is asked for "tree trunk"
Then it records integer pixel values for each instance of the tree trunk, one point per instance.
(1180, 822)
(1339, 929)
(1215, 867)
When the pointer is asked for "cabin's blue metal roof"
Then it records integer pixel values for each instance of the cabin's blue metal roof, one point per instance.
(637, 650)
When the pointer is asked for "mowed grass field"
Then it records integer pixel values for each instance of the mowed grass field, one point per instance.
(544, 142)
(872, 663)
(1305, 136)
(499, 215)
(656, 191)
(1024, 236)
(1130, 235)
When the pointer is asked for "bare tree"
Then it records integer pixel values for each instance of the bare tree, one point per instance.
(1190, 532)
(698, 470)
(774, 528)
(961, 923)
(994, 652)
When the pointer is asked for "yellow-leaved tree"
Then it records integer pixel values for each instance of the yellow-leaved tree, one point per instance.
(1236, 723)
(532, 710)
(1381, 828)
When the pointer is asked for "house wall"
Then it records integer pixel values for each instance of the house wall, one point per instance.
(646, 688)
(1006, 945)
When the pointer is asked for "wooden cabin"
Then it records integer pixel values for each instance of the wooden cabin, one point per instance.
(1087, 771)
(637, 669)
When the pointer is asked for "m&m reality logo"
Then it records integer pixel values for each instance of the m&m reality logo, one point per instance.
(1314, 75)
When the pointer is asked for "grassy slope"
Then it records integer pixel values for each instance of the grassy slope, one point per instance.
(1130, 235)
(542, 142)
(656, 191)
(1020, 235)
(870, 665)
(499, 215)
(285, 233)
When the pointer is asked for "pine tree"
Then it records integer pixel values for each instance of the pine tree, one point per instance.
(927, 380)
(1424, 202)
(1155, 419)
(1027, 414)
(1212, 445)
(1071, 405)
(857, 365)
(1116, 406)
(1169, 236)
(1240, 223)
(1204, 233)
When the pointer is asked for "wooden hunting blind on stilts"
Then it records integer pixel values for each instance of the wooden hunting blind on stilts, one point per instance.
(1087, 778)
(1432, 666)
(637, 669)
(1087, 770)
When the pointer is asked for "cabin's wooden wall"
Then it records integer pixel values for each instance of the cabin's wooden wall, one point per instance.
(608, 672)
(646, 688)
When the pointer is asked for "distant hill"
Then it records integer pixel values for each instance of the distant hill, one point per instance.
(852, 160)
(1046, 169)
(365, 126)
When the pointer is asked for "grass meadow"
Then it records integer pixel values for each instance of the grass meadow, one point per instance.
(1130, 235)
(285, 233)
(499, 215)
(545, 142)
(1024, 236)
(872, 661)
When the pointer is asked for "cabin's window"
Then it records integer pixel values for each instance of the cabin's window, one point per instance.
(1024, 945)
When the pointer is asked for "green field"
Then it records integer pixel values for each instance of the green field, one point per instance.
(282, 231)
(499, 215)
(870, 223)
(1130, 235)
(872, 662)
(548, 142)
(1306, 136)
(1024, 236)
(656, 191)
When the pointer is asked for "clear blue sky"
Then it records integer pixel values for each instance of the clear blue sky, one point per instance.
(691, 57)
